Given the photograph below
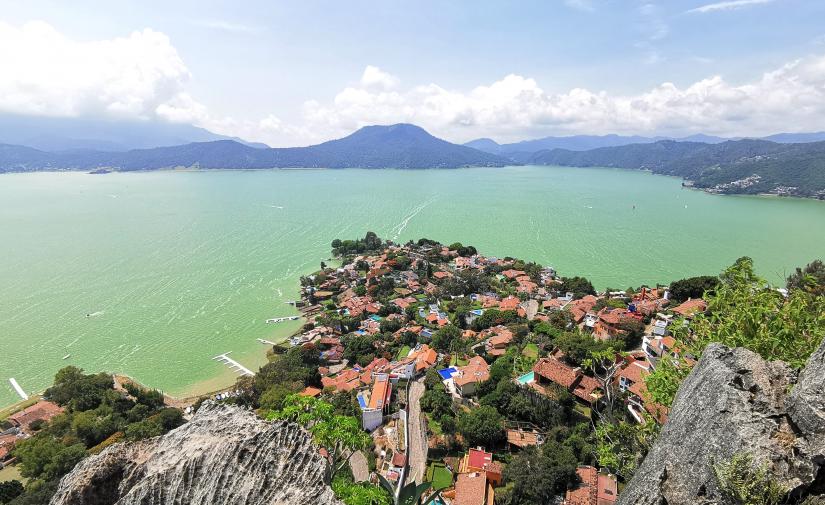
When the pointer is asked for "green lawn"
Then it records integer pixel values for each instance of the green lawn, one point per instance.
(439, 476)
(456, 361)
(402, 353)
(531, 351)
(11, 473)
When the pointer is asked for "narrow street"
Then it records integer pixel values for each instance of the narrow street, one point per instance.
(418, 434)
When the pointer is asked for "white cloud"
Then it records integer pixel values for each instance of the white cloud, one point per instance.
(43, 72)
(516, 107)
(728, 5)
(142, 76)
(374, 77)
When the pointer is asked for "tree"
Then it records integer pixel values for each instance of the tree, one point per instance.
(352, 493)
(340, 435)
(579, 286)
(78, 391)
(578, 347)
(621, 446)
(44, 457)
(810, 279)
(539, 475)
(10, 490)
(444, 337)
(483, 426)
(693, 287)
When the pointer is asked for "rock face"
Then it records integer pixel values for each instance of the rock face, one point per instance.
(734, 402)
(224, 456)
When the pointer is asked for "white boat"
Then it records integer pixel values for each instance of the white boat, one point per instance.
(282, 319)
(67, 356)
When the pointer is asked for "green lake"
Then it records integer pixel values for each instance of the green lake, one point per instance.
(152, 274)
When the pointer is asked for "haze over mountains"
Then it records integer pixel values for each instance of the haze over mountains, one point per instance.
(521, 151)
(395, 146)
(55, 134)
(784, 164)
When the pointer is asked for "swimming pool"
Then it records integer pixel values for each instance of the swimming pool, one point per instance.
(447, 372)
(526, 378)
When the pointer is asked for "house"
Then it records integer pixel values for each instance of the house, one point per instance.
(6, 445)
(509, 303)
(498, 338)
(691, 307)
(478, 460)
(473, 489)
(657, 347)
(41, 411)
(631, 380)
(524, 437)
(310, 391)
(467, 378)
(372, 415)
(609, 321)
(548, 371)
(595, 488)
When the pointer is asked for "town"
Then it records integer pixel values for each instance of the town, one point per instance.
(465, 367)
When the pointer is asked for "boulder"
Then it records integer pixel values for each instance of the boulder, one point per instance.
(224, 455)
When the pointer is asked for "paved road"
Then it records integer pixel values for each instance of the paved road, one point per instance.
(360, 467)
(418, 434)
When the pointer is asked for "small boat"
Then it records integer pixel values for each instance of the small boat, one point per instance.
(67, 356)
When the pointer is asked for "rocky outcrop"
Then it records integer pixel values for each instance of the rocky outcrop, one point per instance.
(735, 402)
(224, 456)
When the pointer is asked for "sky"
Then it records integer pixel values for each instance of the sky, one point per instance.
(298, 73)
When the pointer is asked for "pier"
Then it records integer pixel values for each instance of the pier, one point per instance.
(19, 390)
(233, 365)
(266, 342)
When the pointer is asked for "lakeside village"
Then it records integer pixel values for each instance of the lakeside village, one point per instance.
(459, 362)
(492, 379)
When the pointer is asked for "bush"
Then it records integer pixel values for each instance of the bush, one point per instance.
(744, 483)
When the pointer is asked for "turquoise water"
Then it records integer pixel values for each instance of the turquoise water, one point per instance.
(174, 268)
(526, 378)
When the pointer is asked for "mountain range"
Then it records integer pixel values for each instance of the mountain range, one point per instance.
(395, 146)
(522, 151)
(736, 166)
(55, 134)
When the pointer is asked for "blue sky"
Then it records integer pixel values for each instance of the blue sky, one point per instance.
(297, 72)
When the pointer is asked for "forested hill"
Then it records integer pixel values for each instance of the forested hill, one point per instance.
(741, 166)
(395, 146)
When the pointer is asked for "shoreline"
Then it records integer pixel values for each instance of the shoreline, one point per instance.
(273, 169)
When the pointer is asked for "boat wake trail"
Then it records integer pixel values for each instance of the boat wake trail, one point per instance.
(401, 226)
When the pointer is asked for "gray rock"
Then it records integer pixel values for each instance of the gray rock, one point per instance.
(734, 402)
(225, 455)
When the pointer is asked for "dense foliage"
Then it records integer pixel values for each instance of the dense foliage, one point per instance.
(799, 166)
(692, 287)
(97, 415)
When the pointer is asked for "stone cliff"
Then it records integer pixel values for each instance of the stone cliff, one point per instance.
(225, 455)
(735, 402)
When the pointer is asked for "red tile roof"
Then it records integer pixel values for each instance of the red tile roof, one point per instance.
(556, 371)
(40, 411)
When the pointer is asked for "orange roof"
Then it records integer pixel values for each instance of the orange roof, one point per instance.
(381, 390)
(476, 370)
(690, 307)
(40, 411)
(556, 371)
(310, 391)
(594, 489)
(509, 303)
(471, 489)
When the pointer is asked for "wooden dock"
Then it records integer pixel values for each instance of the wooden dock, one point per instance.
(233, 365)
